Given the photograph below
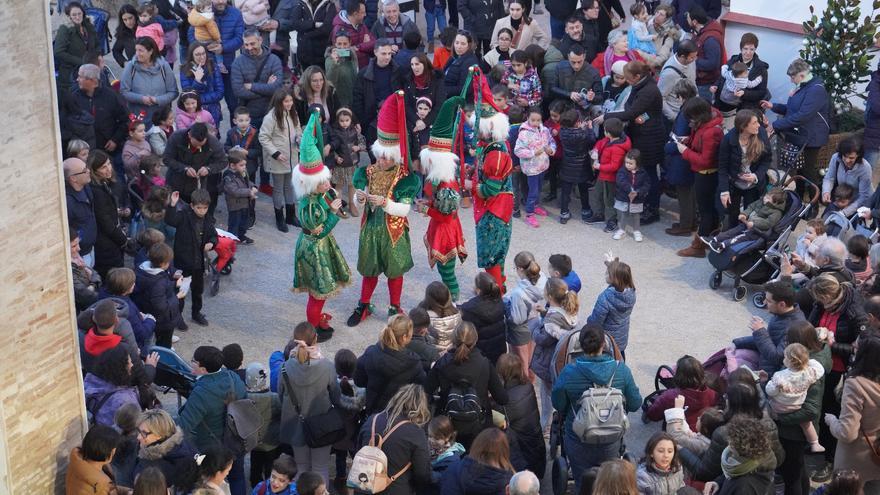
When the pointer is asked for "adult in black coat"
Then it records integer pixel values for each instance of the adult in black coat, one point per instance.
(366, 96)
(559, 11)
(605, 26)
(486, 312)
(456, 70)
(522, 413)
(751, 98)
(427, 83)
(479, 19)
(465, 363)
(105, 105)
(647, 136)
(164, 446)
(74, 40)
(123, 47)
(388, 365)
(735, 186)
(111, 240)
(313, 88)
(312, 20)
(195, 160)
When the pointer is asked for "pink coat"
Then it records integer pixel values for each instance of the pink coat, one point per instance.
(183, 120)
(132, 153)
(530, 141)
(154, 31)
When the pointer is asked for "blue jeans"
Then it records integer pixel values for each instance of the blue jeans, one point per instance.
(582, 457)
(557, 28)
(237, 482)
(534, 182)
(238, 222)
(438, 15)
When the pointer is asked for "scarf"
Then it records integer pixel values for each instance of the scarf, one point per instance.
(314, 351)
(733, 467)
(421, 81)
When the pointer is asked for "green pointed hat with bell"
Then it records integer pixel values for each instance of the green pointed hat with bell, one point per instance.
(443, 130)
(437, 158)
(311, 170)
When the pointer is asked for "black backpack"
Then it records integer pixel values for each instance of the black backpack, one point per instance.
(463, 404)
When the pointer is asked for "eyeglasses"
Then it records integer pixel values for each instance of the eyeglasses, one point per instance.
(79, 173)
(144, 433)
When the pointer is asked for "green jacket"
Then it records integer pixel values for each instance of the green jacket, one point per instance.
(203, 416)
(789, 424)
(70, 47)
(764, 216)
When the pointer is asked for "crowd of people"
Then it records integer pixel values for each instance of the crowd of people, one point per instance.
(369, 118)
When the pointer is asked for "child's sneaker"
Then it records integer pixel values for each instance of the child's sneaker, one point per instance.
(618, 235)
(517, 213)
(610, 226)
(712, 243)
(532, 221)
(540, 211)
(637, 236)
(564, 217)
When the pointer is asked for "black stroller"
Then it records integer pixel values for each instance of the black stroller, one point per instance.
(757, 262)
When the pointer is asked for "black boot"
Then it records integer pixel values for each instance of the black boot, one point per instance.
(279, 220)
(291, 215)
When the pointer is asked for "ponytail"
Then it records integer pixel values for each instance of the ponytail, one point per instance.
(558, 293)
(304, 333)
(464, 338)
(398, 327)
(571, 304)
(487, 286)
(526, 262)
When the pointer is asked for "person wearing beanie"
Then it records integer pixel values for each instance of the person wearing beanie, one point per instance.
(492, 184)
(442, 193)
(320, 269)
(385, 191)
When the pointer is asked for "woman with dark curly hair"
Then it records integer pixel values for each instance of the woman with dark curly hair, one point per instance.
(748, 461)
(108, 386)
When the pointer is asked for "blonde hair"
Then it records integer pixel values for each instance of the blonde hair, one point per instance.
(410, 403)
(305, 332)
(398, 327)
(796, 357)
(526, 261)
(557, 293)
(825, 286)
(159, 422)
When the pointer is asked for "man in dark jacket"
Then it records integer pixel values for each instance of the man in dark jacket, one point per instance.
(80, 208)
(709, 38)
(375, 82)
(588, 16)
(479, 18)
(111, 118)
(392, 25)
(711, 7)
(576, 81)
(195, 160)
(256, 74)
(770, 339)
(312, 20)
(231, 25)
(576, 35)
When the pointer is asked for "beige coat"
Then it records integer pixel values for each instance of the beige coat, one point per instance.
(530, 34)
(859, 413)
(284, 139)
(85, 479)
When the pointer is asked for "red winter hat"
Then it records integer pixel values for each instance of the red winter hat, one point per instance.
(391, 132)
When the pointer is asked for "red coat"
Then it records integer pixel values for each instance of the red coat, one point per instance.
(703, 144)
(444, 238)
(695, 401)
(611, 156)
(554, 131)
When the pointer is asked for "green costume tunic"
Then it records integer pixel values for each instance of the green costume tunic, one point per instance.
(384, 239)
(319, 267)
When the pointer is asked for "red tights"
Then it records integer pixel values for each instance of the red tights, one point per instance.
(497, 273)
(395, 289)
(313, 312)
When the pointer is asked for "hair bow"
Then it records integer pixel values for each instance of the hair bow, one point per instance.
(199, 458)
(139, 117)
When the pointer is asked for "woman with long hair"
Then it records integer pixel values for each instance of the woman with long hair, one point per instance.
(525, 30)
(108, 386)
(617, 477)
(123, 47)
(199, 73)
(314, 89)
(521, 413)
(109, 202)
(456, 70)
(486, 468)
(280, 135)
(422, 81)
(744, 157)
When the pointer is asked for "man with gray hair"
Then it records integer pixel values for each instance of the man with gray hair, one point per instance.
(392, 25)
(523, 483)
(111, 117)
(830, 259)
(80, 206)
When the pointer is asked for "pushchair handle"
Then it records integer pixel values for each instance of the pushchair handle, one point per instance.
(812, 189)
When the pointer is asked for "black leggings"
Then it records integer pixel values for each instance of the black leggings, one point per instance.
(792, 469)
(738, 196)
(829, 406)
(705, 186)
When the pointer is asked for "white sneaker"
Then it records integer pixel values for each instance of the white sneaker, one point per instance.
(618, 235)
(175, 339)
(637, 236)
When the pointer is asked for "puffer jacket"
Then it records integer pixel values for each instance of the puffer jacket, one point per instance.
(138, 81)
(576, 166)
(174, 456)
(309, 389)
(707, 466)
(456, 71)
(631, 181)
(612, 153)
(770, 342)
(189, 252)
(487, 315)
(441, 329)
(469, 477)
(556, 324)
(382, 371)
(703, 144)
(244, 70)
(811, 410)
(179, 155)
(155, 293)
(804, 118)
(764, 216)
(612, 312)
(653, 482)
(522, 415)
(231, 25)
(96, 389)
(210, 90)
(528, 143)
(237, 189)
(564, 80)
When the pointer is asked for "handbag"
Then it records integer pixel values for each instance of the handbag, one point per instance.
(322, 429)
(872, 446)
(615, 19)
(790, 157)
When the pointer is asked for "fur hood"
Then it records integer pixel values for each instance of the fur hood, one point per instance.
(161, 449)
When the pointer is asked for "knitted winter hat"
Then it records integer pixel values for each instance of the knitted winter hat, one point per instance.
(617, 67)
(391, 142)
(311, 170)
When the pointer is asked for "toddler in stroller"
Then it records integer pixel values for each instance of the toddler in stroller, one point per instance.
(757, 221)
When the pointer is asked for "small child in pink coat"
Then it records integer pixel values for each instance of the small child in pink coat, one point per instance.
(534, 147)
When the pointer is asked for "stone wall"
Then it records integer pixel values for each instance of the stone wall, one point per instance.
(41, 399)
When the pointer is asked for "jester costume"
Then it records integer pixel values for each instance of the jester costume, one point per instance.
(492, 186)
(319, 267)
(384, 238)
(444, 238)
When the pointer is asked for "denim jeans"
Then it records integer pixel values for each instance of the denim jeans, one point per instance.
(582, 457)
(238, 222)
(437, 15)
(557, 28)
(534, 196)
(236, 479)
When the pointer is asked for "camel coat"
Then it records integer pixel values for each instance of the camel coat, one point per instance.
(529, 34)
(858, 414)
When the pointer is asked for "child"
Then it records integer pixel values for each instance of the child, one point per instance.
(690, 382)
(736, 78)
(442, 313)
(423, 110)
(310, 483)
(560, 267)
(696, 441)
(522, 80)
(233, 358)
(553, 123)
(79, 149)
(342, 68)
(153, 213)
(607, 158)
(156, 292)
(630, 191)
(445, 451)
(254, 12)
(661, 466)
(615, 304)
(638, 36)
(346, 145)
(858, 262)
(615, 90)
(163, 127)
(190, 111)
(246, 137)
(148, 24)
(126, 422)
(352, 399)
(756, 221)
(151, 174)
(526, 303)
(534, 146)
(808, 243)
(265, 460)
(280, 481)
(195, 236)
(205, 30)
(240, 192)
(574, 141)
(842, 196)
(443, 52)
(469, 138)
(136, 148)
(560, 319)
(422, 343)
(435, 11)
(500, 95)
(517, 116)
(787, 389)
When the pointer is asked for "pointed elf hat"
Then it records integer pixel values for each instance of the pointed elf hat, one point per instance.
(391, 133)
(311, 170)
(437, 158)
(490, 119)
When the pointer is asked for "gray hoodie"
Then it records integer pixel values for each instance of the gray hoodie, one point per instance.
(156, 80)
(859, 177)
(315, 390)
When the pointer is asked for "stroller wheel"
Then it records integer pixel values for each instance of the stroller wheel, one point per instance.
(739, 293)
(759, 299)
(559, 470)
(715, 280)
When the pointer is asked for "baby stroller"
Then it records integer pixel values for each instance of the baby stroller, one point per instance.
(567, 350)
(839, 226)
(757, 262)
(173, 373)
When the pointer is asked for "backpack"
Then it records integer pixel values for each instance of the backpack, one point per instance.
(94, 406)
(369, 468)
(243, 424)
(601, 418)
(463, 404)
